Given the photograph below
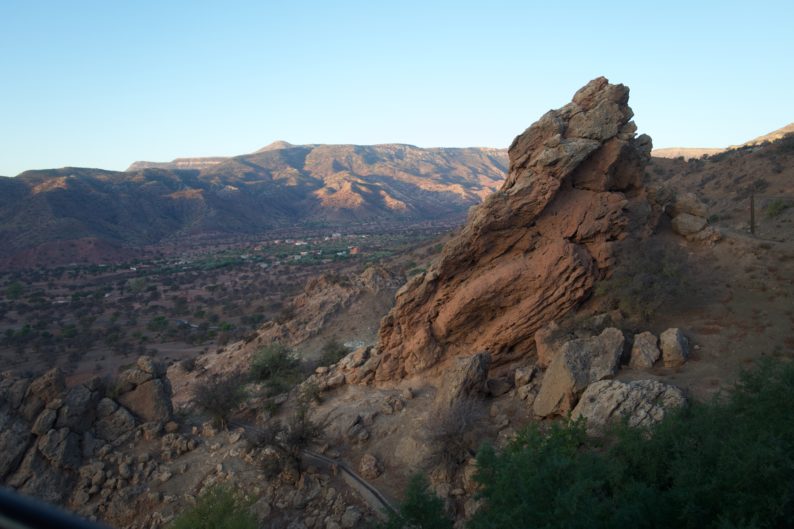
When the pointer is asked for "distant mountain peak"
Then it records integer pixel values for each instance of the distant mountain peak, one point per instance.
(276, 145)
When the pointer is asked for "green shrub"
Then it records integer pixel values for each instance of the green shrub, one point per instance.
(421, 509)
(276, 366)
(776, 208)
(220, 398)
(218, 508)
(332, 352)
(644, 279)
(726, 463)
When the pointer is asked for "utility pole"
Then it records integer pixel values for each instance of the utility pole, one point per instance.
(752, 213)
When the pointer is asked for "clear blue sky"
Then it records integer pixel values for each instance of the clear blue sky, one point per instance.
(104, 83)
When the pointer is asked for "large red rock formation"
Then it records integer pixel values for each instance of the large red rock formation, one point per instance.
(532, 250)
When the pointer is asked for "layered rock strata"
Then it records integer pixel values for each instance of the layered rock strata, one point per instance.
(533, 249)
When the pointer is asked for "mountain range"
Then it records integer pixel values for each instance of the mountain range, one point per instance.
(58, 215)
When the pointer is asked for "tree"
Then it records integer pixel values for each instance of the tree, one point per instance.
(421, 509)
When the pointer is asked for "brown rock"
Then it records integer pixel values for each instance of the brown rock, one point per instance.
(580, 363)
(113, 426)
(369, 467)
(151, 401)
(533, 249)
(688, 225)
(545, 344)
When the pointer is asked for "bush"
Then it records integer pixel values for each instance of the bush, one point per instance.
(455, 433)
(332, 352)
(645, 278)
(726, 463)
(301, 431)
(271, 361)
(220, 398)
(776, 208)
(421, 509)
(218, 508)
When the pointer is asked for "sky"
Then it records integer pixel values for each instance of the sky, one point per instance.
(105, 83)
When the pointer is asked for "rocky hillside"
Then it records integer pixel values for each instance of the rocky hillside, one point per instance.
(281, 185)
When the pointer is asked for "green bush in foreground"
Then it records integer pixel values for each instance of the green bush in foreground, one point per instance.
(724, 464)
(277, 367)
(218, 508)
(421, 509)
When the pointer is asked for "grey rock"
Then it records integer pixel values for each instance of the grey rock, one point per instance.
(675, 347)
(640, 402)
(498, 386)
(687, 225)
(78, 410)
(14, 440)
(112, 427)
(580, 363)
(61, 448)
(105, 407)
(44, 421)
(644, 352)
(466, 377)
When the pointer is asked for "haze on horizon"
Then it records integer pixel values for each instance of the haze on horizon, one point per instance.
(102, 84)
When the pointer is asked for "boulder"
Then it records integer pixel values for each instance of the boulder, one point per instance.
(151, 401)
(675, 347)
(41, 392)
(688, 203)
(464, 378)
(14, 440)
(78, 410)
(533, 249)
(687, 225)
(580, 363)
(369, 467)
(640, 402)
(644, 351)
(524, 375)
(44, 422)
(61, 448)
(113, 426)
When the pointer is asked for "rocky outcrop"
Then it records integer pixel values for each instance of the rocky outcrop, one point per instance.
(533, 249)
(579, 363)
(640, 402)
(144, 390)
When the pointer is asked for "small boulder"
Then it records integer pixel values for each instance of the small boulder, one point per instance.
(369, 467)
(580, 363)
(78, 410)
(688, 203)
(688, 225)
(44, 421)
(644, 352)
(675, 347)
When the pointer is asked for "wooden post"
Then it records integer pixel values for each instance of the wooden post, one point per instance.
(752, 213)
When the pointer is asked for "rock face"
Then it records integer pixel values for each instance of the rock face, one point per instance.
(640, 402)
(579, 363)
(533, 249)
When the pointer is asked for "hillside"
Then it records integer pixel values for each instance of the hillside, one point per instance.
(280, 185)
(698, 152)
